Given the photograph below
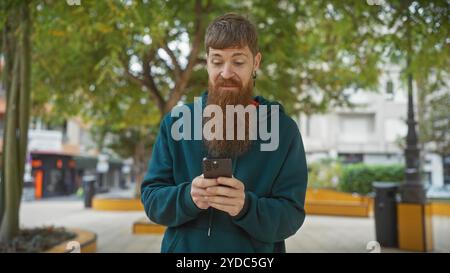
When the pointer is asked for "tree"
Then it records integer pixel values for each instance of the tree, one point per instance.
(78, 73)
(104, 58)
(135, 143)
(316, 53)
(417, 37)
(157, 48)
(16, 24)
(431, 78)
(434, 125)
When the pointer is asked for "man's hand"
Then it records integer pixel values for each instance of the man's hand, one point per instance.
(228, 196)
(198, 190)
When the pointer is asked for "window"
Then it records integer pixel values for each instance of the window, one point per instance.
(356, 127)
(351, 158)
(447, 170)
(394, 129)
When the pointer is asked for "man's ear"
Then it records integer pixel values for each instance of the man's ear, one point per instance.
(257, 61)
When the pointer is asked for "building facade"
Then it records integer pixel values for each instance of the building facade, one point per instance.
(372, 132)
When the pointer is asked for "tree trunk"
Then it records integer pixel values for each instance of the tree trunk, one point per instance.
(17, 118)
(140, 162)
(8, 49)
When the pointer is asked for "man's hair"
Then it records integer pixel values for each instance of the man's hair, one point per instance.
(231, 30)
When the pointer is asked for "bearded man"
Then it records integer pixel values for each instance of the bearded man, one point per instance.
(262, 204)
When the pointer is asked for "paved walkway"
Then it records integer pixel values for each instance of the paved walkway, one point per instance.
(114, 229)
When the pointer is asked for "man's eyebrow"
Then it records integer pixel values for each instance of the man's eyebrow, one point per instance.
(234, 54)
(239, 54)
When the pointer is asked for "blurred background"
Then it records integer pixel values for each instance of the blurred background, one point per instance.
(84, 85)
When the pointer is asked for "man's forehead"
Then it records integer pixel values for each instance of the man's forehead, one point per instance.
(232, 51)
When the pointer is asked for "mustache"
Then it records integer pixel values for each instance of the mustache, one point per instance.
(232, 82)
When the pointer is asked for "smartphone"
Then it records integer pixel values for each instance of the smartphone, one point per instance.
(217, 167)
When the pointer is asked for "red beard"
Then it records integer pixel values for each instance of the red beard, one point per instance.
(242, 95)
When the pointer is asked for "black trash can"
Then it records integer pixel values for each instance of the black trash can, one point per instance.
(385, 209)
(89, 190)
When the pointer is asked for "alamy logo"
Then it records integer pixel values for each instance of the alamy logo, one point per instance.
(213, 128)
(373, 247)
(73, 247)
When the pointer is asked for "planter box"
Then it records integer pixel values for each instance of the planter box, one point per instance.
(144, 226)
(87, 241)
(330, 202)
(117, 204)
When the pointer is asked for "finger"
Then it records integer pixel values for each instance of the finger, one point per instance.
(225, 191)
(203, 204)
(200, 204)
(200, 199)
(231, 182)
(222, 200)
(205, 182)
(200, 192)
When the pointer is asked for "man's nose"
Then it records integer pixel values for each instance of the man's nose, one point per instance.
(227, 72)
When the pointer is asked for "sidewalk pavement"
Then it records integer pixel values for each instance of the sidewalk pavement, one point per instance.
(114, 229)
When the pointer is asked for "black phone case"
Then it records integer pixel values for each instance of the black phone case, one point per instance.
(217, 167)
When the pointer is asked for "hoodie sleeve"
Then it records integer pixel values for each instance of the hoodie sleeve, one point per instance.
(279, 216)
(166, 202)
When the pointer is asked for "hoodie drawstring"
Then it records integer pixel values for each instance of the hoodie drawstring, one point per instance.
(211, 212)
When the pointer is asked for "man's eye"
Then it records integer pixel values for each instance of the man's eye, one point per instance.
(238, 63)
(216, 63)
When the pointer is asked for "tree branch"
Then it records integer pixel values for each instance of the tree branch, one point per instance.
(146, 81)
(180, 85)
(136, 80)
(200, 61)
(150, 83)
(177, 69)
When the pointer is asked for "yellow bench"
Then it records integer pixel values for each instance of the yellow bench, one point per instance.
(330, 202)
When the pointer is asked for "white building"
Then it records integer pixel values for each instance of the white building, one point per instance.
(369, 133)
(72, 137)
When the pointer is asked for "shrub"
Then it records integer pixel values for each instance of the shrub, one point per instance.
(358, 178)
(37, 239)
(324, 173)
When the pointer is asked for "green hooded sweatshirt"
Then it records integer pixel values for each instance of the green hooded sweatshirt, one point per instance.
(275, 187)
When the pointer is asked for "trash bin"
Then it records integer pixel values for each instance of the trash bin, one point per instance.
(385, 209)
(28, 190)
(89, 190)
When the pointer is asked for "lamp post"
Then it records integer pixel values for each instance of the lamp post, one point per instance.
(412, 191)
(413, 212)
